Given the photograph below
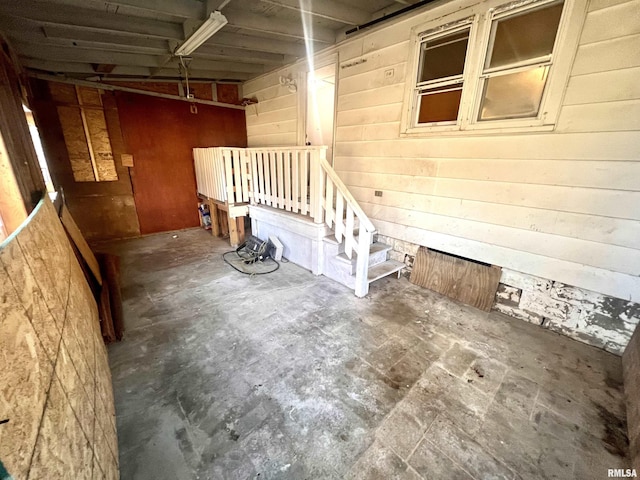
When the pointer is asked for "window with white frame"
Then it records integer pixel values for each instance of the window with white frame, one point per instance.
(485, 71)
(440, 75)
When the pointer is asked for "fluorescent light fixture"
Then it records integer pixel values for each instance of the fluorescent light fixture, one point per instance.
(210, 26)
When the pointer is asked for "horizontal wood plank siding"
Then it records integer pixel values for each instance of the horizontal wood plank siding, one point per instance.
(563, 204)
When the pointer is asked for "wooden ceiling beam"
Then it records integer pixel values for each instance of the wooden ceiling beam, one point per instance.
(272, 26)
(329, 9)
(88, 19)
(120, 71)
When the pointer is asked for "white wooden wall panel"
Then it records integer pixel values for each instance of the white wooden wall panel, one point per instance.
(617, 53)
(612, 22)
(563, 205)
(606, 230)
(600, 87)
(373, 79)
(283, 126)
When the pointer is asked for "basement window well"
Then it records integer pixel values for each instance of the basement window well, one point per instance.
(503, 67)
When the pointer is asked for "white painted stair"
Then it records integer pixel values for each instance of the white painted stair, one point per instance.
(337, 266)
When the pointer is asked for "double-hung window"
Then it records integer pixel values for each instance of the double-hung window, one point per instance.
(491, 68)
(517, 61)
(438, 90)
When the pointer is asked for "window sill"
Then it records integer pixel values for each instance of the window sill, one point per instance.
(474, 130)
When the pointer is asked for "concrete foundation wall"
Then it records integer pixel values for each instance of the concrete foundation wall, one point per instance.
(631, 372)
(55, 383)
(592, 318)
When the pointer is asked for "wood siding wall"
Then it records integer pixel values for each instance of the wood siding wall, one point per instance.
(563, 205)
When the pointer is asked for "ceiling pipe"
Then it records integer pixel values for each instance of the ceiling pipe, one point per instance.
(388, 17)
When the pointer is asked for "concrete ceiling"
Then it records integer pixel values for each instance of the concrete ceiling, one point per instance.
(135, 38)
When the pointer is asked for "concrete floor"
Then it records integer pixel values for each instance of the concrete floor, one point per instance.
(289, 376)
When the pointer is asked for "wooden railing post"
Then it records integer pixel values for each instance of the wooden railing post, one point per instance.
(362, 263)
(318, 199)
(228, 170)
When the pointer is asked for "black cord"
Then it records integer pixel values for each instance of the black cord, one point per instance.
(245, 259)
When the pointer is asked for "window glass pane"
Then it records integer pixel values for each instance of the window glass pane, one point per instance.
(439, 106)
(528, 35)
(443, 57)
(516, 95)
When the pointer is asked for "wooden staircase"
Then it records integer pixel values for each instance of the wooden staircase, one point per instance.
(300, 181)
(339, 267)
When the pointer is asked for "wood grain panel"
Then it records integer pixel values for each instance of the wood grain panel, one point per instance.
(469, 282)
(161, 134)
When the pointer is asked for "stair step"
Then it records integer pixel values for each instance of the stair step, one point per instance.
(377, 254)
(383, 269)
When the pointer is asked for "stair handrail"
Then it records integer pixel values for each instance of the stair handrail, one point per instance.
(366, 229)
(351, 201)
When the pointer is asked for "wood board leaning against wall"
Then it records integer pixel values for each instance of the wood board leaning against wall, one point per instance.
(96, 186)
(125, 166)
(55, 382)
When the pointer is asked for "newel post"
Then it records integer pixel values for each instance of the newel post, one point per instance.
(362, 263)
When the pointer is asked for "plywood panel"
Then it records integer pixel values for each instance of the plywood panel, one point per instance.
(163, 176)
(24, 380)
(461, 279)
(227, 93)
(102, 210)
(76, 141)
(48, 323)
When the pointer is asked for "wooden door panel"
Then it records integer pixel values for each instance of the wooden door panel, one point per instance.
(161, 134)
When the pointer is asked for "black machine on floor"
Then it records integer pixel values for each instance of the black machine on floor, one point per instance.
(256, 250)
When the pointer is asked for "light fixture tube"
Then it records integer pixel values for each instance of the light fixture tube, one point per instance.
(210, 26)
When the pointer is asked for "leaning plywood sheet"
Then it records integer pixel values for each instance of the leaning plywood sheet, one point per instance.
(79, 241)
(469, 282)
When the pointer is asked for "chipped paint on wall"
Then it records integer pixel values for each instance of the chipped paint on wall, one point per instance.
(590, 317)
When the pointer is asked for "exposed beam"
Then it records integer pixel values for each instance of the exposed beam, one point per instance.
(86, 70)
(88, 19)
(273, 26)
(82, 55)
(46, 36)
(116, 40)
(241, 55)
(176, 8)
(329, 9)
(256, 44)
(108, 86)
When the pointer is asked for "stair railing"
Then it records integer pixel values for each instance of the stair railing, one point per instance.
(294, 179)
(340, 212)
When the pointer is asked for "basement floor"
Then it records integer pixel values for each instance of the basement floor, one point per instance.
(289, 376)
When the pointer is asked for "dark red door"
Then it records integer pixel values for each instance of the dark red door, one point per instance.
(161, 134)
